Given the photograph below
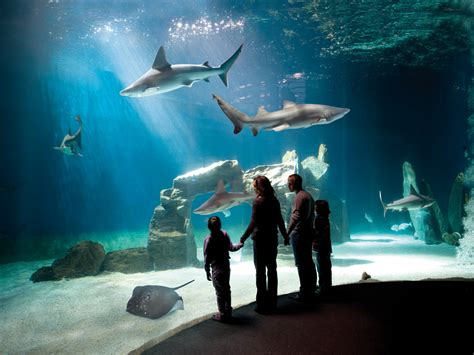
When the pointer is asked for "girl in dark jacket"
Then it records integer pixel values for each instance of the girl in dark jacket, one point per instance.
(216, 255)
(322, 245)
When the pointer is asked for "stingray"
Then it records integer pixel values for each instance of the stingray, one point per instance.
(154, 301)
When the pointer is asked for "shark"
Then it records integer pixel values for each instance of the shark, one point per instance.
(223, 201)
(72, 143)
(414, 201)
(292, 116)
(164, 77)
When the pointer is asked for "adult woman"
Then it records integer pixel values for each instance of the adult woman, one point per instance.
(266, 218)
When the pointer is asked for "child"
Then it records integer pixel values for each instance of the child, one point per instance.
(322, 245)
(216, 255)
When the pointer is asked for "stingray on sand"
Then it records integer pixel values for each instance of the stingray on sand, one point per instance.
(154, 301)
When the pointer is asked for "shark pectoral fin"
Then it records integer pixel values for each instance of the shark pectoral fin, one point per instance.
(160, 62)
(413, 191)
(279, 128)
(206, 80)
(188, 83)
(226, 213)
(254, 131)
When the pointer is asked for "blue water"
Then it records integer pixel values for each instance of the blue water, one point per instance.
(63, 58)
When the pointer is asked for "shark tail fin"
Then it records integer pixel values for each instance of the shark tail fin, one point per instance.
(235, 116)
(383, 204)
(228, 64)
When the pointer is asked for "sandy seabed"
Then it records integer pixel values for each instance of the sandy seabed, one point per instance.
(87, 315)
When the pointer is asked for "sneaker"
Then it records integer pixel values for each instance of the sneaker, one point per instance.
(219, 317)
(306, 298)
(295, 296)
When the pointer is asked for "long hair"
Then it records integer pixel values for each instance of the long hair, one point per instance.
(322, 208)
(264, 186)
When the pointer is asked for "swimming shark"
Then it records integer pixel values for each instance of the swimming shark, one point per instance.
(72, 142)
(292, 116)
(164, 77)
(414, 201)
(223, 201)
(155, 301)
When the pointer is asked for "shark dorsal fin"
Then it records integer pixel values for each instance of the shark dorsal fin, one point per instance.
(287, 104)
(160, 62)
(413, 191)
(206, 64)
(261, 111)
(220, 187)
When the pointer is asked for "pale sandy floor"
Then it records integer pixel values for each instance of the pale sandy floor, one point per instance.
(87, 315)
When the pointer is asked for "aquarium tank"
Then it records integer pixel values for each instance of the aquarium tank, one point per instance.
(126, 124)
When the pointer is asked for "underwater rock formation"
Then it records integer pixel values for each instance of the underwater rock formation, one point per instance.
(315, 167)
(456, 203)
(465, 251)
(278, 175)
(128, 261)
(83, 259)
(423, 220)
(439, 220)
(452, 238)
(171, 241)
(171, 238)
(339, 217)
(406, 32)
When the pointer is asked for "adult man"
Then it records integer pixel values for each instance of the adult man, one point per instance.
(300, 231)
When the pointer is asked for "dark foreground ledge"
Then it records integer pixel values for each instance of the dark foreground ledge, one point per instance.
(406, 317)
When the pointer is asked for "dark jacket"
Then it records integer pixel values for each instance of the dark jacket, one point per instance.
(216, 249)
(302, 213)
(266, 218)
(322, 235)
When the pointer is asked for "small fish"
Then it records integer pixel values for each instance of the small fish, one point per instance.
(368, 217)
(400, 227)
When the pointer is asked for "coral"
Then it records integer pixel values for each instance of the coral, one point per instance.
(465, 251)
